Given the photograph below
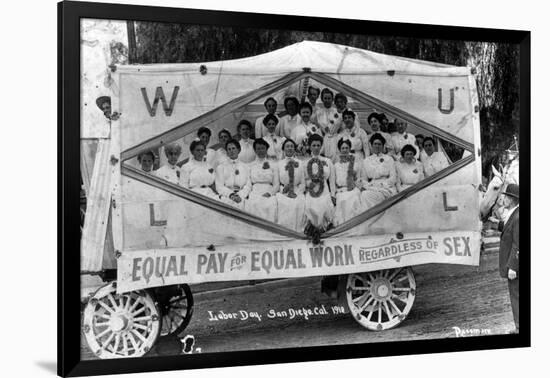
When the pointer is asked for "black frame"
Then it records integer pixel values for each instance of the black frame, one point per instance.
(69, 333)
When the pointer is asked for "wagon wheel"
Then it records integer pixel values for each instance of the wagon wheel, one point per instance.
(120, 325)
(381, 300)
(176, 308)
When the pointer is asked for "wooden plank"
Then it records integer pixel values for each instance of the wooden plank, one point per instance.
(193, 125)
(88, 148)
(387, 108)
(97, 210)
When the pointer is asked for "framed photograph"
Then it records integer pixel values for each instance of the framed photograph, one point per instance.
(243, 188)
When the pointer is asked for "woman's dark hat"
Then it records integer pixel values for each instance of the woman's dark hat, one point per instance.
(100, 100)
(512, 190)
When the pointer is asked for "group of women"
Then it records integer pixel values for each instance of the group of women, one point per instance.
(315, 166)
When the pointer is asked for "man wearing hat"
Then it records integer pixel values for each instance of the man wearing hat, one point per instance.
(509, 247)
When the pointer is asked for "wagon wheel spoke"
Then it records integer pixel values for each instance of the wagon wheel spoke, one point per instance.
(137, 312)
(117, 343)
(103, 333)
(139, 335)
(364, 306)
(392, 303)
(363, 296)
(388, 312)
(124, 345)
(379, 312)
(395, 273)
(105, 307)
(113, 302)
(402, 289)
(371, 312)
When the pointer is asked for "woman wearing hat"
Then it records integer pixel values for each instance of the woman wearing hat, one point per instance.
(347, 171)
(409, 170)
(358, 138)
(264, 178)
(378, 175)
(320, 186)
(290, 198)
(232, 179)
(433, 161)
(274, 152)
(197, 174)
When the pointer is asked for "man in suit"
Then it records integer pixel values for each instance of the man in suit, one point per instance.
(509, 247)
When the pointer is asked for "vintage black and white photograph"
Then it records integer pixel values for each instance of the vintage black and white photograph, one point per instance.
(248, 189)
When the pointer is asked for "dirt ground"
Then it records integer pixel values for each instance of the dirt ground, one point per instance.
(470, 298)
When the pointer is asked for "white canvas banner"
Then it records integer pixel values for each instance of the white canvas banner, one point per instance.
(161, 267)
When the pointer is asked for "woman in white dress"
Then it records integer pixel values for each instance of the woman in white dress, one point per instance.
(221, 154)
(247, 154)
(360, 146)
(204, 134)
(433, 161)
(347, 170)
(409, 170)
(320, 197)
(304, 129)
(264, 178)
(275, 142)
(291, 119)
(291, 199)
(197, 174)
(329, 120)
(232, 178)
(170, 171)
(375, 125)
(260, 129)
(378, 175)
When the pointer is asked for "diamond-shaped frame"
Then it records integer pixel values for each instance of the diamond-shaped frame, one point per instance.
(205, 119)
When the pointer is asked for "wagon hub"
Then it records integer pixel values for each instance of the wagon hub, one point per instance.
(381, 289)
(119, 323)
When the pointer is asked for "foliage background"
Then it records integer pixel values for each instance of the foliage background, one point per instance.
(496, 65)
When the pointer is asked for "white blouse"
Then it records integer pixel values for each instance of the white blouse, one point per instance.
(341, 171)
(288, 123)
(275, 146)
(232, 176)
(408, 174)
(197, 174)
(434, 163)
(260, 130)
(378, 170)
(264, 176)
(169, 172)
(358, 138)
(247, 153)
(303, 130)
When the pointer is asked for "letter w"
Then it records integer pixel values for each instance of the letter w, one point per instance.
(316, 256)
(159, 95)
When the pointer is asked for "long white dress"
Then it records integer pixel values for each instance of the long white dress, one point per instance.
(378, 178)
(329, 120)
(221, 156)
(360, 146)
(434, 163)
(232, 176)
(320, 210)
(291, 211)
(169, 172)
(198, 176)
(275, 151)
(247, 154)
(408, 174)
(348, 199)
(260, 130)
(264, 177)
